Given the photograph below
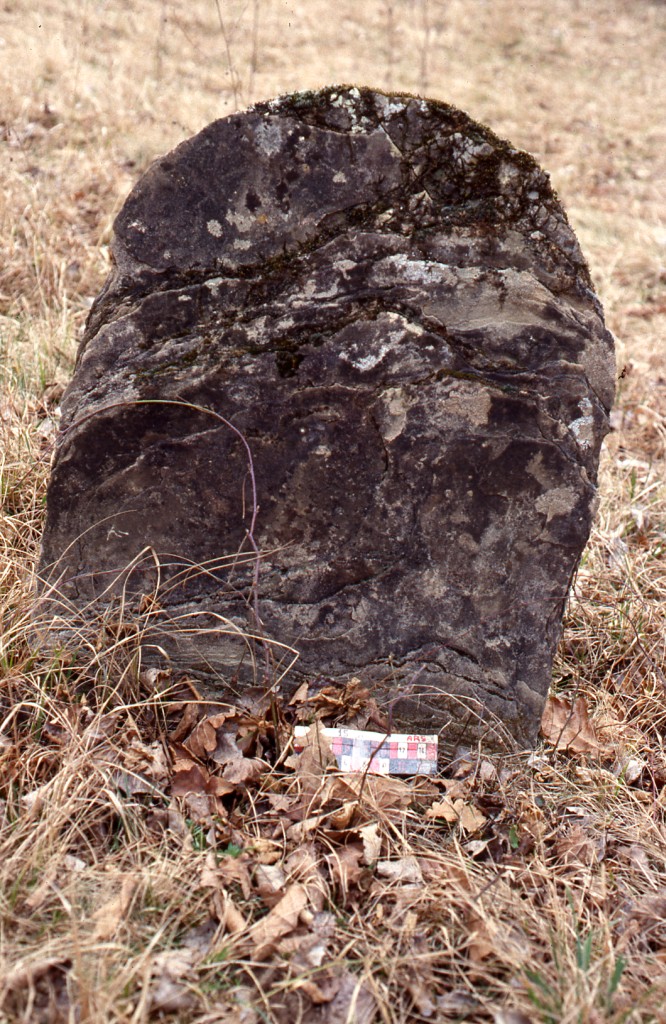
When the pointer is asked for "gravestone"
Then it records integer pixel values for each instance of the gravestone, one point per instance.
(342, 396)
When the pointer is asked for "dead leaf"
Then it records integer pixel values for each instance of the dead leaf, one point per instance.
(219, 787)
(147, 760)
(475, 847)
(228, 914)
(567, 726)
(280, 801)
(237, 1007)
(480, 944)
(244, 769)
(457, 788)
(379, 792)
(171, 974)
(315, 756)
(421, 995)
(265, 851)
(638, 858)
(310, 768)
(372, 842)
(577, 848)
(345, 866)
(109, 916)
(443, 809)
(203, 740)
(486, 770)
(511, 1017)
(313, 948)
(630, 769)
(300, 695)
(24, 974)
(407, 870)
(190, 717)
(281, 920)
(645, 922)
(469, 817)
(216, 874)
(303, 866)
(353, 1003)
(189, 777)
(337, 701)
(341, 817)
(37, 991)
(152, 677)
(269, 880)
(457, 1003)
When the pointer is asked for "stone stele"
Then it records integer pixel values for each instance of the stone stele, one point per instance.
(342, 395)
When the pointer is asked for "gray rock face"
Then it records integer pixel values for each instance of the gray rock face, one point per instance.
(372, 314)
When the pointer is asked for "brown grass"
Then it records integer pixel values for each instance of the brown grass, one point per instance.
(142, 873)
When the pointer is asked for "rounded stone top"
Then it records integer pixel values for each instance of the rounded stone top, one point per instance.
(288, 173)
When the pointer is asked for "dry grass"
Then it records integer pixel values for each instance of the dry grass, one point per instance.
(141, 865)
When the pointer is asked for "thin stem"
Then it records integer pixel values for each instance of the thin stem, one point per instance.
(233, 74)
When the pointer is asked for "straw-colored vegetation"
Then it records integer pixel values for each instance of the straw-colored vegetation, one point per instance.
(153, 863)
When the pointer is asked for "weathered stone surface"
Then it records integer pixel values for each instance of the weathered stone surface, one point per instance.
(386, 303)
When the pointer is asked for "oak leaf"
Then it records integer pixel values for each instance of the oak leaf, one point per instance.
(109, 916)
(279, 921)
(567, 726)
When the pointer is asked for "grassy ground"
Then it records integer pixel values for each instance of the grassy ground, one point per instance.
(152, 863)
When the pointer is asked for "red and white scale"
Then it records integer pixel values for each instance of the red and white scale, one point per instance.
(357, 750)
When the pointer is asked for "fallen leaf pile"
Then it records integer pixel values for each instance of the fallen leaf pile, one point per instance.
(277, 845)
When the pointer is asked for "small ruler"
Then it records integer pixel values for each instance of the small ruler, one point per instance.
(398, 753)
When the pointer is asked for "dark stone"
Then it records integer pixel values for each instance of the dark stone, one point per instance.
(386, 303)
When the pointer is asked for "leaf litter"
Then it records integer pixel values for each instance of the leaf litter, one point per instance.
(276, 845)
